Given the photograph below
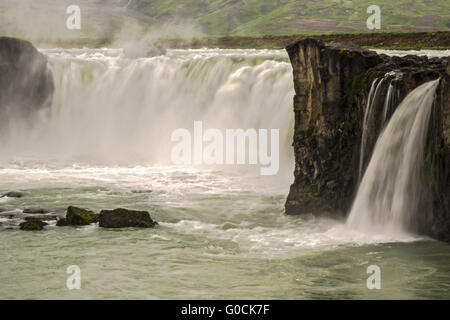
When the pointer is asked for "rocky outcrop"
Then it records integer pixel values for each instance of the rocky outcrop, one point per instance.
(26, 84)
(332, 84)
(438, 160)
(123, 218)
(327, 79)
(78, 217)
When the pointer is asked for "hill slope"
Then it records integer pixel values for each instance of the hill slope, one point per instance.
(46, 18)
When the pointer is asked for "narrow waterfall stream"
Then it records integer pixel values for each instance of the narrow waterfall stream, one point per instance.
(390, 191)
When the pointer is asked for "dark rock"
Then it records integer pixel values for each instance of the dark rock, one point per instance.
(438, 160)
(35, 211)
(62, 222)
(80, 217)
(32, 225)
(13, 194)
(141, 191)
(26, 83)
(42, 217)
(123, 218)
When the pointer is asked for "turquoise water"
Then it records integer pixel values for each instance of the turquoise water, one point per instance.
(219, 237)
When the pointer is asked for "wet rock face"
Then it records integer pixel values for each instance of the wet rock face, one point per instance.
(123, 218)
(439, 160)
(327, 78)
(332, 84)
(26, 84)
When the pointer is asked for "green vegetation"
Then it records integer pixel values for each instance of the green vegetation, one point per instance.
(222, 17)
(187, 18)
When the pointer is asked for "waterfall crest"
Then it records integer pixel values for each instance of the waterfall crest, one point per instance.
(111, 110)
(390, 191)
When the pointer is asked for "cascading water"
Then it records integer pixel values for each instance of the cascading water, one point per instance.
(383, 94)
(372, 93)
(390, 191)
(110, 110)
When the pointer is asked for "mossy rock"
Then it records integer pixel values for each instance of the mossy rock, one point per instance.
(32, 225)
(124, 218)
(80, 217)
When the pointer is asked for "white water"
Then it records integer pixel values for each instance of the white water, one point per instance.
(428, 53)
(110, 110)
(390, 191)
(370, 102)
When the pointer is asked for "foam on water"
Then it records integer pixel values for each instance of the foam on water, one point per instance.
(428, 53)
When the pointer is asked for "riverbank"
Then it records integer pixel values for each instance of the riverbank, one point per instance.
(398, 41)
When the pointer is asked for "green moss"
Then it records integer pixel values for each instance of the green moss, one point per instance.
(353, 89)
(440, 151)
(32, 225)
(78, 216)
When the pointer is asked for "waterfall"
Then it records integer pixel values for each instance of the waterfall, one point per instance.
(383, 93)
(374, 88)
(111, 110)
(390, 192)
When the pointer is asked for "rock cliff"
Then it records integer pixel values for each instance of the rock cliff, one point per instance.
(26, 83)
(333, 85)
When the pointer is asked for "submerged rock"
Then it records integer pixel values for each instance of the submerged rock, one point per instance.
(13, 194)
(79, 217)
(62, 222)
(35, 211)
(32, 225)
(123, 218)
(141, 191)
(42, 217)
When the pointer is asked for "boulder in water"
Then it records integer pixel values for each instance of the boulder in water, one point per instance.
(32, 225)
(123, 218)
(79, 217)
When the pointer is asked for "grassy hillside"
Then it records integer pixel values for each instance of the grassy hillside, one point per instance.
(107, 18)
(296, 16)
